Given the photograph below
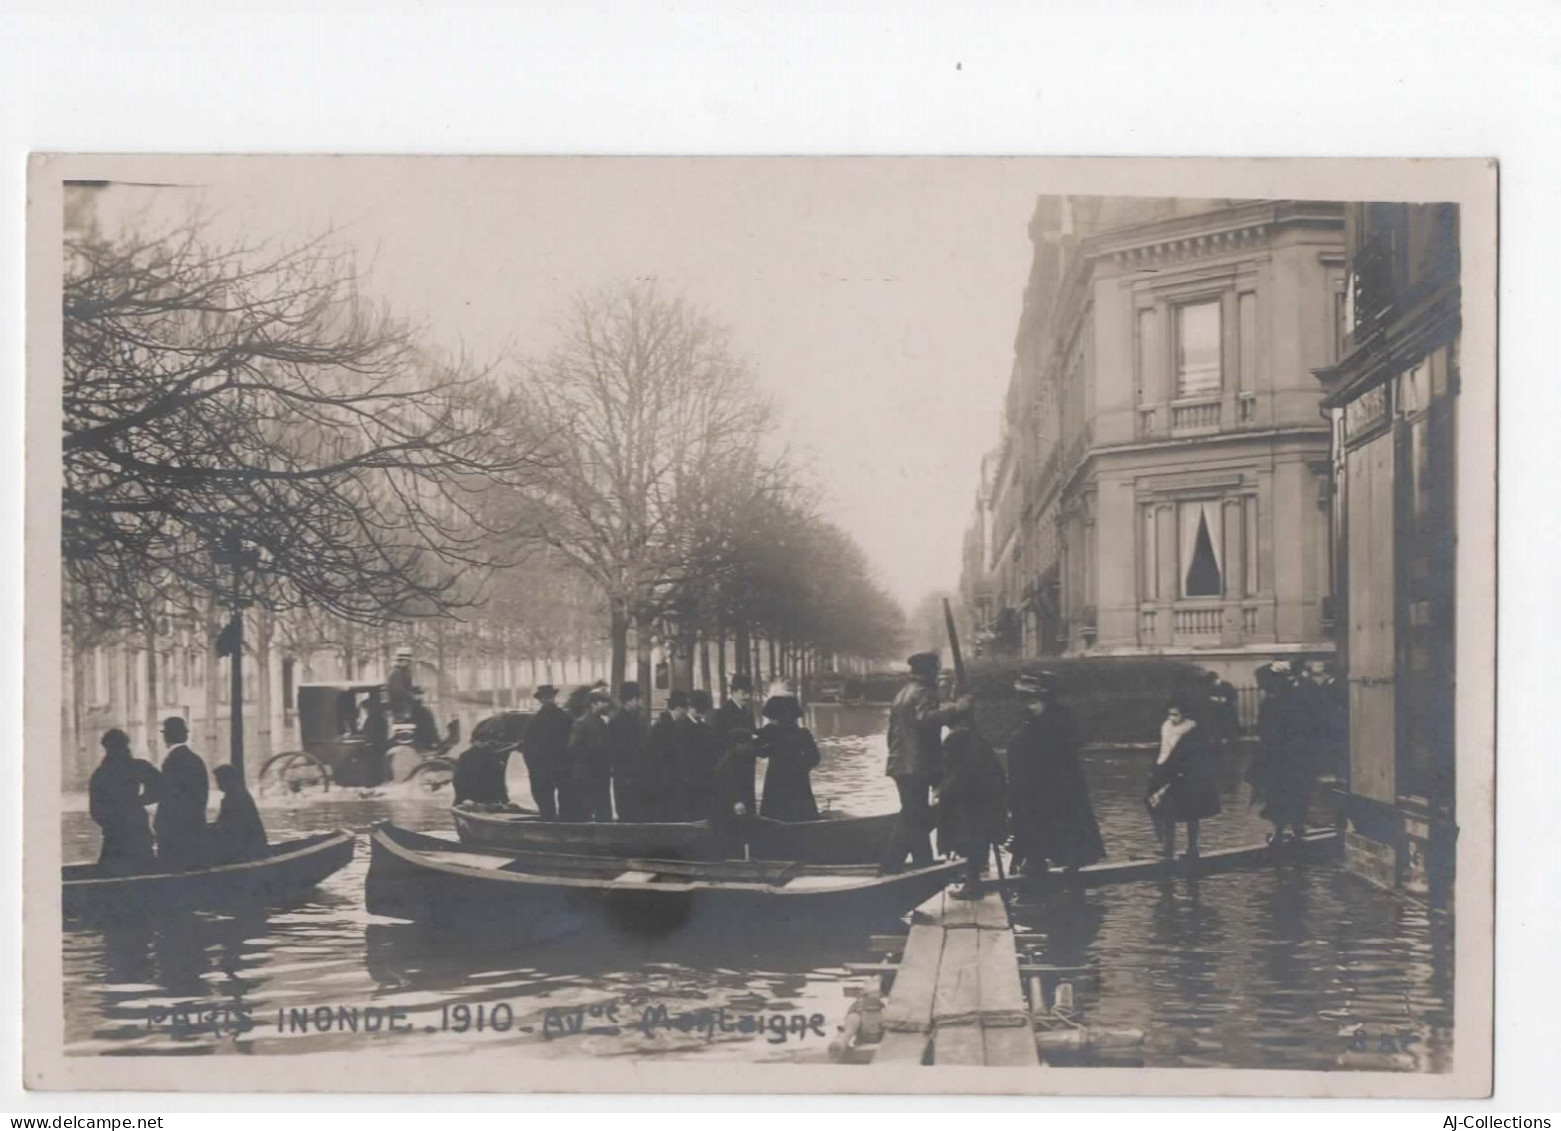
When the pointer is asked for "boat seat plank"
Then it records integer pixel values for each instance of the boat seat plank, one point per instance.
(635, 877)
(959, 977)
(959, 1044)
(909, 1007)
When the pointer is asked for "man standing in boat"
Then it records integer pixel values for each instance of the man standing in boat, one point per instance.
(916, 722)
(545, 748)
(660, 779)
(697, 755)
(626, 741)
(118, 793)
(181, 813)
(732, 721)
(590, 759)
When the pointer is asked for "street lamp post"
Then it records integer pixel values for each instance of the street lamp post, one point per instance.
(230, 642)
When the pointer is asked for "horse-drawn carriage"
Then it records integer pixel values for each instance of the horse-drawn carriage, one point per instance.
(352, 738)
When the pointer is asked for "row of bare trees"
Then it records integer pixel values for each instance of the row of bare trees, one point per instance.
(242, 429)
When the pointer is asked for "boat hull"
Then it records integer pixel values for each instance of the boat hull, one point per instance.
(838, 840)
(291, 868)
(1315, 846)
(532, 897)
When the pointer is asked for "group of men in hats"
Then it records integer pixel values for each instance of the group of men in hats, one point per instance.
(1043, 800)
(594, 759)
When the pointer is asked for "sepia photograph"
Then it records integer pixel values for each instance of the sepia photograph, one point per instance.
(760, 625)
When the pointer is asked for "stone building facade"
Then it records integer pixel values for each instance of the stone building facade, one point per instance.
(1163, 484)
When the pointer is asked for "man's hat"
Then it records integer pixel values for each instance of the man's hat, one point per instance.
(546, 691)
(742, 683)
(629, 690)
(700, 699)
(1037, 685)
(677, 699)
(925, 662)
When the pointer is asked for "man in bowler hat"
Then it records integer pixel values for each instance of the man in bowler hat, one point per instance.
(545, 748)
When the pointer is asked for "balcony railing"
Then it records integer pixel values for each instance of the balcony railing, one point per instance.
(1199, 416)
(1199, 622)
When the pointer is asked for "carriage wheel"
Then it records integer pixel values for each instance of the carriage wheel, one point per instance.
(294, 773)
(432, 775)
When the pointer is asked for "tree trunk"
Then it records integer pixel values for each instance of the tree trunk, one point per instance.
(704, 664)
(742, 654)
(77, 770)
(720, 656)
(682, 642)
(263, 629)
(643, 669)
(149, 713)
(212, 671)
(774, 665)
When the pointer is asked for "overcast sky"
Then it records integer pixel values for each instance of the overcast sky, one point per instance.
(876, 300)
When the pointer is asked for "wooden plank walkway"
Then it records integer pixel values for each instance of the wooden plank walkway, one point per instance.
(957, 996)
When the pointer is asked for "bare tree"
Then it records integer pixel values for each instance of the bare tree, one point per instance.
(643, 405)
(214, 394)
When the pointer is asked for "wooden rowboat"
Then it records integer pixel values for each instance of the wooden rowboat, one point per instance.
(833, 840)
(541, 895)
(1314, 846)
(286, 870)
(526, 832)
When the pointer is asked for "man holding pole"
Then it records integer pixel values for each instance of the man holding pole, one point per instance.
(916, 722)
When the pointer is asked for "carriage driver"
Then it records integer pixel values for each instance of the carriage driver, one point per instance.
(399, 686)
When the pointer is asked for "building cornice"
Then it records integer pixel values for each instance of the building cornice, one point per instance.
(1071, 475)
(1210, 233)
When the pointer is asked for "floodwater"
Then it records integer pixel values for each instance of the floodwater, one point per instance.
(1300, 967)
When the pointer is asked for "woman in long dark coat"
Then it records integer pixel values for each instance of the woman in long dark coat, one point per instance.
(1182, 788)
(790, 754)
(1053, 819)
(1281, 773)
(971, 810)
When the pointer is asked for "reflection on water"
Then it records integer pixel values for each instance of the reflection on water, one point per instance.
(1287, 968)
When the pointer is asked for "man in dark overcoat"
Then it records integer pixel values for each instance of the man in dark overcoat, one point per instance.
(590, 760)
(545, 748)
(628, 749)
(736, 718)
(181, 814)
(1053, 819)
(695, 754)
(660, 788)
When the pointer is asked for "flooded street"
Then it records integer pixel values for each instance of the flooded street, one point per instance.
(1269, 969)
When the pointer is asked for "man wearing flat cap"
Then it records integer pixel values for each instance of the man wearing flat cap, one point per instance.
(590, 760)
(545, 747)
(916, 722)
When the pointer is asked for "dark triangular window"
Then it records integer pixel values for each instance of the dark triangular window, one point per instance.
(1203, 572)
